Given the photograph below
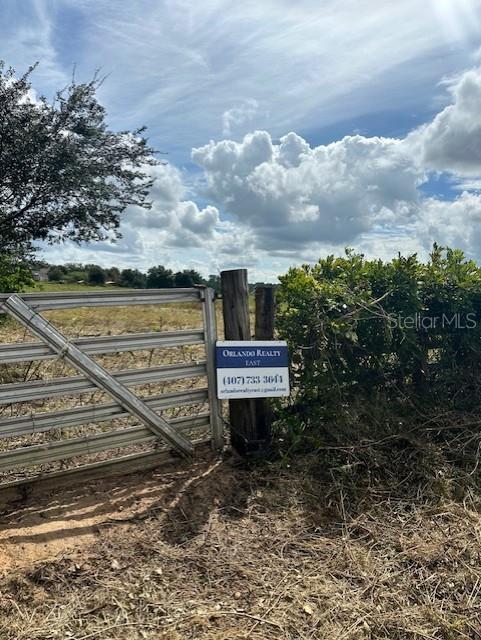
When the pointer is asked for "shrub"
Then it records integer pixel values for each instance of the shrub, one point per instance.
(373, 343)
(132, 278)
(76, 275)
(56, 273)
(95, 274)
(14, 274)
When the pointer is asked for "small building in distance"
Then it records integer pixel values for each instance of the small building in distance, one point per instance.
(40, 275)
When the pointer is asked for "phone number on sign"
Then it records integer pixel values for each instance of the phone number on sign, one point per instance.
(236, 380)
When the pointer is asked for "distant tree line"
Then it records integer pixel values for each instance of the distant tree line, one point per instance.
(158, 277)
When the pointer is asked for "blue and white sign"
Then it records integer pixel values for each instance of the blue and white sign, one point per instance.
(252, 369)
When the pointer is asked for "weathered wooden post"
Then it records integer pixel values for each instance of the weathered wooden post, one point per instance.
(235, 307)
(264, 330)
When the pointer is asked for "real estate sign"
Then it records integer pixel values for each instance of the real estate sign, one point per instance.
(252, 369)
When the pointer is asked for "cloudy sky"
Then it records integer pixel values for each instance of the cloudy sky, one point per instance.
(291, 130)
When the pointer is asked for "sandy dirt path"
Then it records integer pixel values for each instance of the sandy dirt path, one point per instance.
(63, 522)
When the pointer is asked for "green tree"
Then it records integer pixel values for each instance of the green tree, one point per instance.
(73, 266)
(95, 274)
(113, 275)
(188, 278)
(64, 173)
(160, 278)
(56, 273)
(132, 278)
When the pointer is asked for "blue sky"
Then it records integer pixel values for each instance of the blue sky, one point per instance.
(291, 129)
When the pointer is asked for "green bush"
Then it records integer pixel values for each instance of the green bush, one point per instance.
(132, 278)
(14, 274)
(76, 275)
(375, 343)
(56, 273)
(95, 274)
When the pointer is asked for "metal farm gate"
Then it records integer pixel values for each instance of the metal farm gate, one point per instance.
(165, 434)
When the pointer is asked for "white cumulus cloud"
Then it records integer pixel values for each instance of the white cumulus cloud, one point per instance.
(293, 195)
(452, 141)
(179, 220)
(237, 116)
(456, 223)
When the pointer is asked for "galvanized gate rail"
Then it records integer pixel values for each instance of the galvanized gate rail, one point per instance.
(25, 308)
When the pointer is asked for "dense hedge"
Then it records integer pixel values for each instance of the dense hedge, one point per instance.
(372, 342)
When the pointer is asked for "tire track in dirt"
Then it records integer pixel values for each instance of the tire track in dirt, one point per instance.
(45, 527)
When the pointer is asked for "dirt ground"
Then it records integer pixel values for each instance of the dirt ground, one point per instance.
(216, 550)
(68, 521)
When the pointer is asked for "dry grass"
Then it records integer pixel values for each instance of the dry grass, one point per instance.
(382, 544)
(222, 551)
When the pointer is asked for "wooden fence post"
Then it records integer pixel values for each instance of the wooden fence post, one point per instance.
(265, 314)
(235, 307)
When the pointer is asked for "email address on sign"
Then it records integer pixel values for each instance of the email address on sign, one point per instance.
(258, 390)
